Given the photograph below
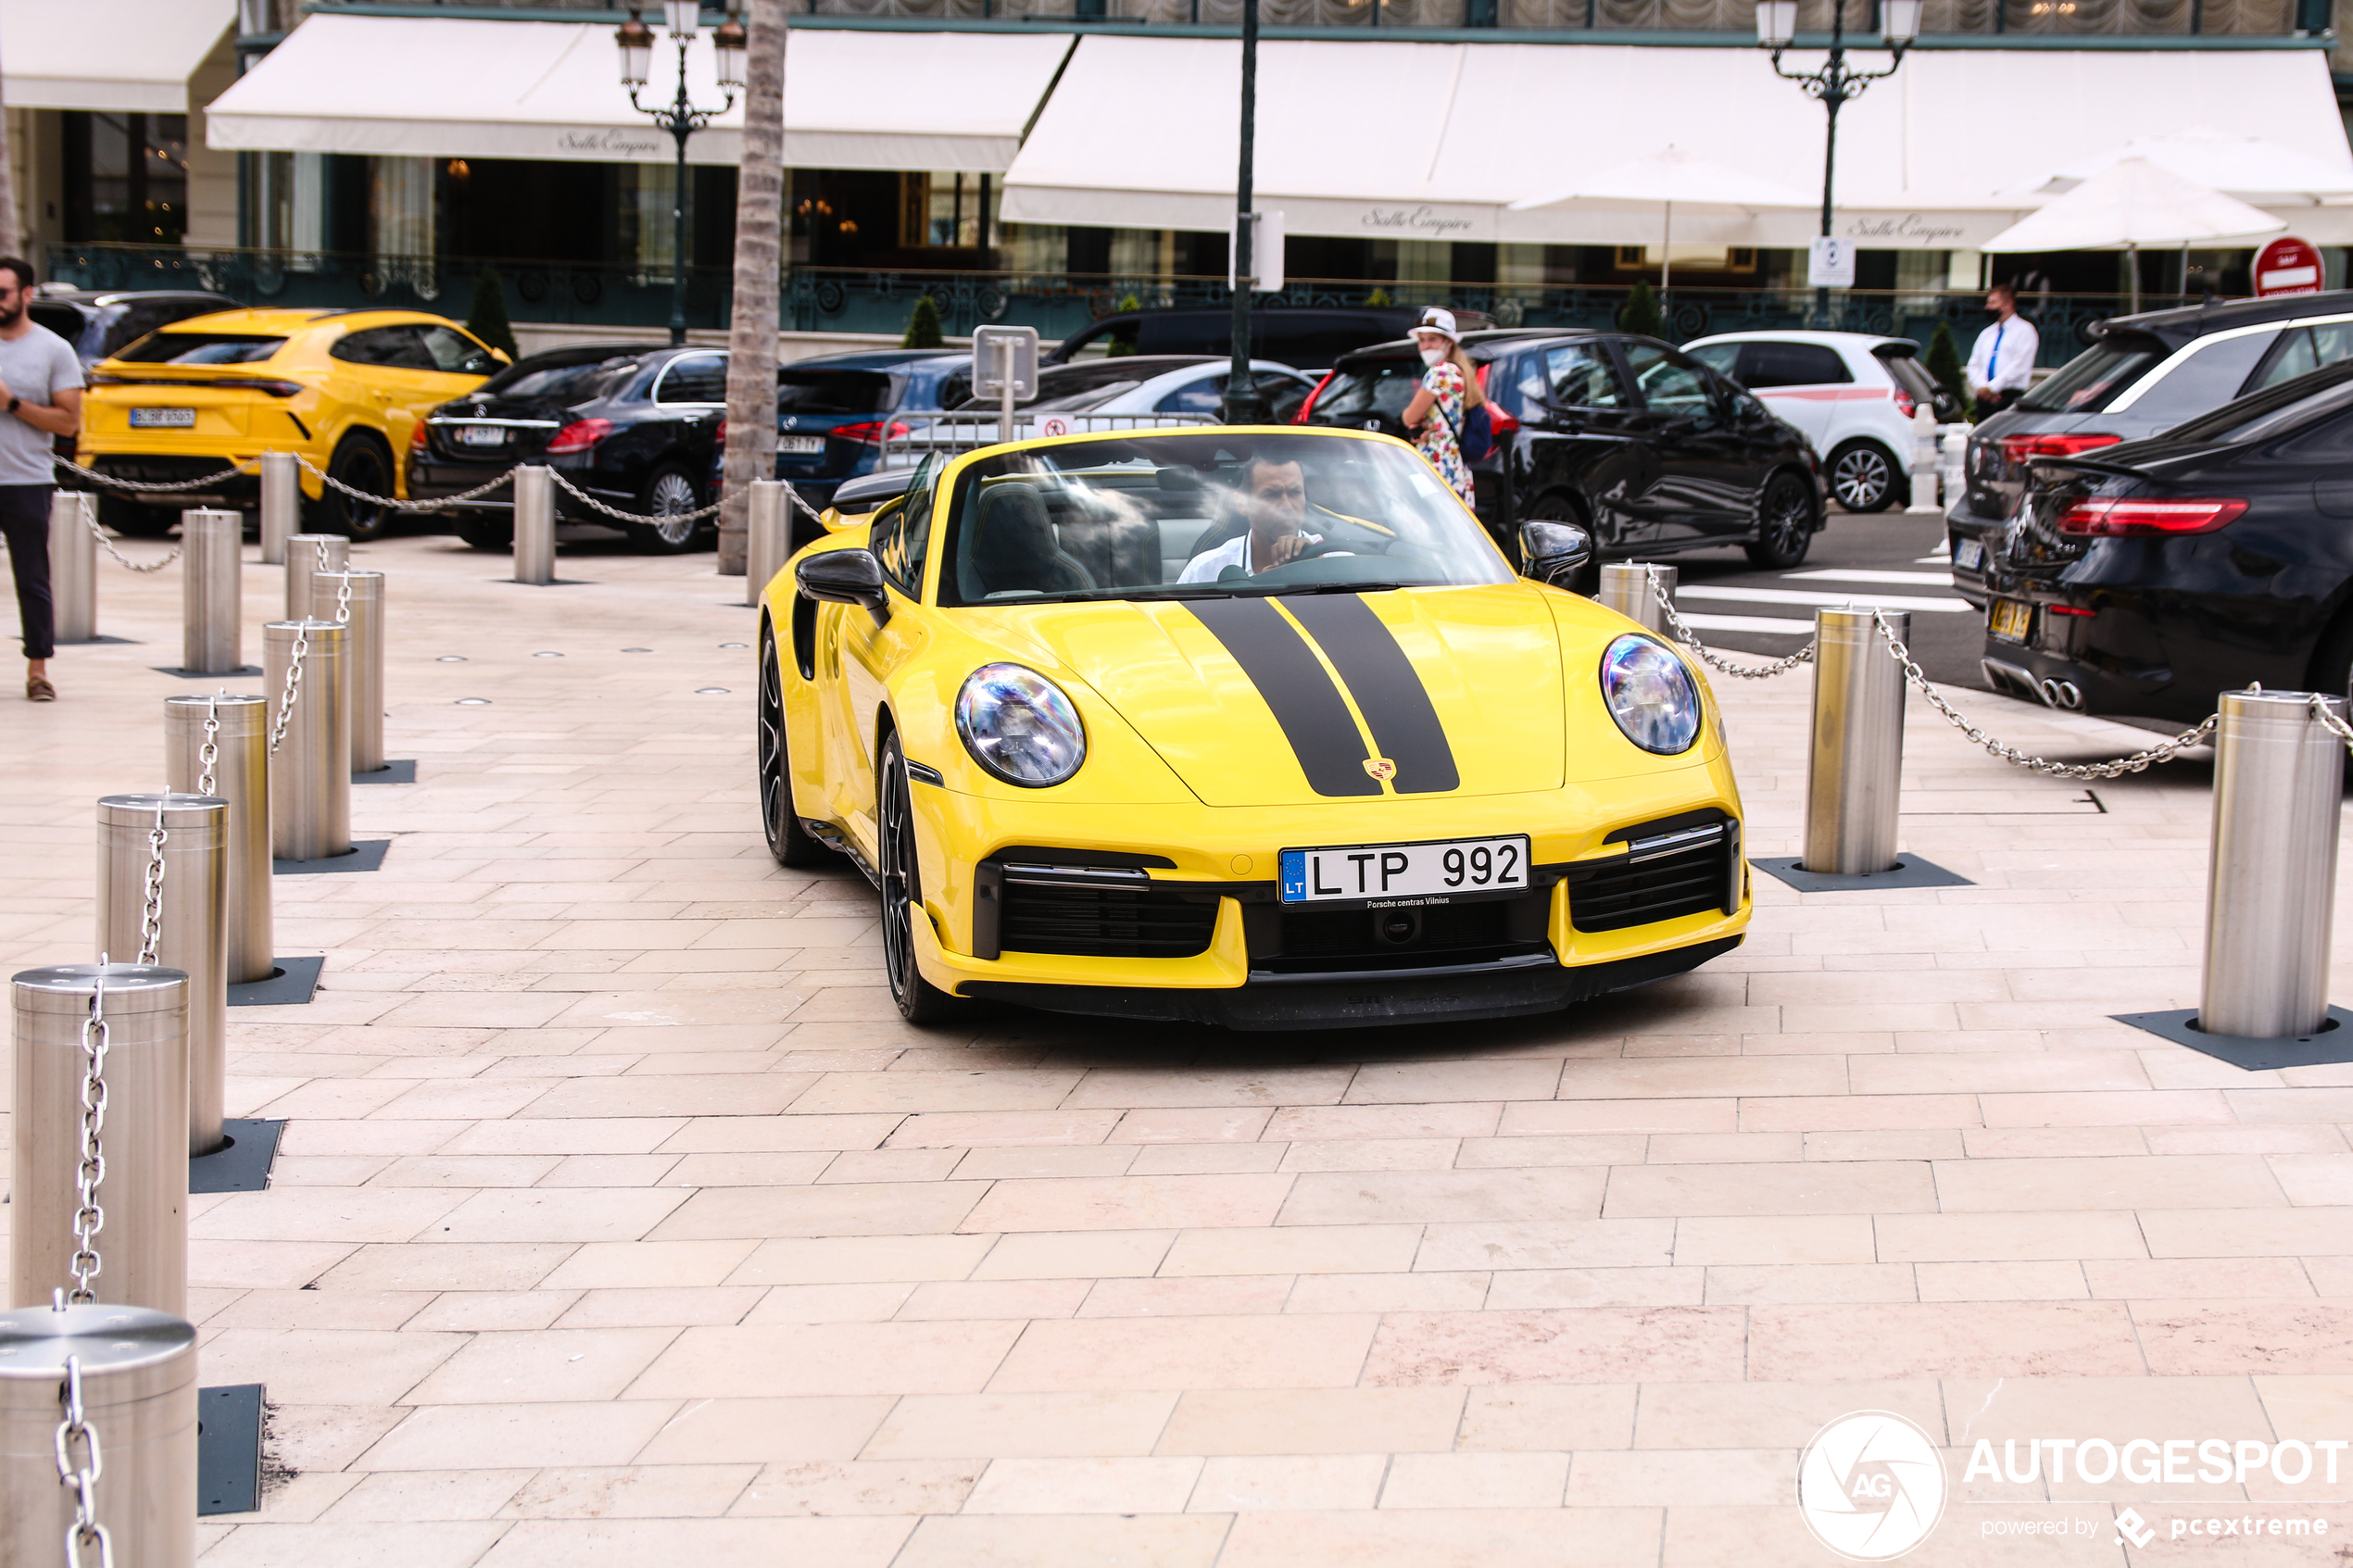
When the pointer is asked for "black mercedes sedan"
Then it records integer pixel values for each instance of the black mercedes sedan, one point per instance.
(1650, 450)
(2147, 577)
(635, 428)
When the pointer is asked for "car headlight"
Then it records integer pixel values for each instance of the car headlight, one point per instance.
(1650, 695)
(1020, 726)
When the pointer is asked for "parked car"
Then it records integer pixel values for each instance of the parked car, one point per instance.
(1853, 393)
(834, 412)
(1189, 383)
(2145, 578)
(345, 389)
(103, 321)
(635, 427)
(2142, 374)
(1290, 334)
(1647, 447)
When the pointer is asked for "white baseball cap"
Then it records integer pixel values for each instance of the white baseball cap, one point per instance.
(1436, 320)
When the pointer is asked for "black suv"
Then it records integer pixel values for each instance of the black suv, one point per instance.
(100, 322)
(2142, 374)
(1646, 446)
(1295, 334)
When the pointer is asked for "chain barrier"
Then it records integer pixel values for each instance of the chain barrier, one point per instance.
(615, 512)
(157, 487)
(436, 504)
(208, 754)
(80, 1476)
(1683, 633)
(2318, 706)
(293, 693)
(125, 561)
(89, 1219)
(151, 911)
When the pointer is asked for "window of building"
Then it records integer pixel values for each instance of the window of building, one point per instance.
(126, 177)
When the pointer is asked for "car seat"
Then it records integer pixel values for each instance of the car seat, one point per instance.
(1014, 550)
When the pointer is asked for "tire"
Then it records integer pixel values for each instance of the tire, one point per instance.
(788, 842)
(1785, 518)
(133, 520)
(670, 491)
(364, 462)
(920, 1002)
(1864, 476)
(486, 533)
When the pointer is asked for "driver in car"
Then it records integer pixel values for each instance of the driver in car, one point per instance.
(1274, 497)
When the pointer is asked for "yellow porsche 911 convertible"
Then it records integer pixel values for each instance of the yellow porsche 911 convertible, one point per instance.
(1240, 726)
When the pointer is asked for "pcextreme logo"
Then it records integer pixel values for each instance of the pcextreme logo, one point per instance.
(1871, 1486)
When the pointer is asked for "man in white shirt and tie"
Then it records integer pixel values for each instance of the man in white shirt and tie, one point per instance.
(2002, 364)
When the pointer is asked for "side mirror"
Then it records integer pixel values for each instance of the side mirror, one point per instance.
(1554, 550)
(845, 577)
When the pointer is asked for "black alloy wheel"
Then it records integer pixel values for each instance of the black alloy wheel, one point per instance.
(790, 843)
(365, 464)
(920, 1002)
(668, 498)
(1784, 522)
(486, 533)
(1863, 476)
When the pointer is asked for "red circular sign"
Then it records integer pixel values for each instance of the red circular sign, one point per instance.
(2287, 266)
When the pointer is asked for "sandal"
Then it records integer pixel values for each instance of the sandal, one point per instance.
(38, 690)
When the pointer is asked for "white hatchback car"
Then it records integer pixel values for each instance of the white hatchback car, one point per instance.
(1853, 393)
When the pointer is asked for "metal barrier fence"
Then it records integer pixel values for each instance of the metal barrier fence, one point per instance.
(907, 441)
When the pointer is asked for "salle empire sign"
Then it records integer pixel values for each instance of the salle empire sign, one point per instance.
(610, 143)
(1908, 228)
(1421, 223)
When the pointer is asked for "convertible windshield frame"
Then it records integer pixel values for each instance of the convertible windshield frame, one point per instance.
(1121, 517)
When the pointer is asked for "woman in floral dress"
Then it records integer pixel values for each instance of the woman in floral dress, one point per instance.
(1436, 413)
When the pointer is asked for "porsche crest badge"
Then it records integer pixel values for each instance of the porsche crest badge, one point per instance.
(1381, 768)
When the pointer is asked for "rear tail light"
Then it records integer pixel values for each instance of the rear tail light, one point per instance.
(871, 433)
(1308, 407)
(2019, 449)
(1904, 403)
(2070, 609)
(417, 436)
(718, 434)
(2132, 517)
(579, 435)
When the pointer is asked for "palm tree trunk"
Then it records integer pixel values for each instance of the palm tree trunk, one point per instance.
(751, 327)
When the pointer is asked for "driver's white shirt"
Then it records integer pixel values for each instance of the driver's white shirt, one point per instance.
(1205, 568)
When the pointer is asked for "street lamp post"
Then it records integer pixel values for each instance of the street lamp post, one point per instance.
(1834, 83)
(680, 117)
(1243, 405)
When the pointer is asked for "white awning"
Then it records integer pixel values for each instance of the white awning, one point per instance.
(117, 56)
(436, 87)
(1434, 141)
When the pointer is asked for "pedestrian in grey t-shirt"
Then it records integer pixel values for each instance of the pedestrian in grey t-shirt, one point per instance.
(40, 399)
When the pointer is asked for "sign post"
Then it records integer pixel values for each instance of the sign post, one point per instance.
(1005, 363)
(1830, 264)
(2287, 266)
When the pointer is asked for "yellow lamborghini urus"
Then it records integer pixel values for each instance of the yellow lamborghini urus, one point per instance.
(1240, 726)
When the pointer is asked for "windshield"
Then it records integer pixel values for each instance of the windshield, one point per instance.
(800, 391)
(2274, 410)
(568, 377)
(2088, 382)
(200, 349)
(1206, 516)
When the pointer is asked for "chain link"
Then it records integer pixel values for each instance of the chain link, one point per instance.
(2164, 751)
(2318, 706)
(434, 505)
(151, 914)
(81, 1476)
(1685, 635)
(208, 754)
(125, 561)
(615, 512)
(89, 1219)
(293, 693)
(145, 488)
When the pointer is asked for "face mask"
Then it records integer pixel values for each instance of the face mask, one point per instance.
(1435, 356)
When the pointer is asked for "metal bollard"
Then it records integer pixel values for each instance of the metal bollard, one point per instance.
(311, 772)
(137, 1376)
(534, 525)
(1923, 461)
(73, 564)
(211, 592)
(240, 777)
(143, 1246)
(363, 657)
(1627, 588)
(2271, 890)
(192, 935)
(306, 554)
(281, 504)
(1854, 771)
(768, 536)
(1951, 461)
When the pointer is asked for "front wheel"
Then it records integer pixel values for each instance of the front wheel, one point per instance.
(669, 496)
(920, 1002)
(1863, 476)
(789, 843)
(1784, 522)
(364, 464)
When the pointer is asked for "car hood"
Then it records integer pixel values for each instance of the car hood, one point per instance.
(1266, 701)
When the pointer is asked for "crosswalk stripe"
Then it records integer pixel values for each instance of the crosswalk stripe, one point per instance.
(1702, 622)
(1792, 597)
(1838, 574)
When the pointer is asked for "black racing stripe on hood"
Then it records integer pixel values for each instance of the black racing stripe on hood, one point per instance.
(1388, 692)
(1300, 694)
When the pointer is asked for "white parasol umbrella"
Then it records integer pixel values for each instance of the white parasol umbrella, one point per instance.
(1674, 178)
(2133, 203)
(2246, 167)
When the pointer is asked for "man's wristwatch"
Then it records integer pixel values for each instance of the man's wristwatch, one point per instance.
(13, 402)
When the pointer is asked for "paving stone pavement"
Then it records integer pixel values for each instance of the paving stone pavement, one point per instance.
(618, 1219)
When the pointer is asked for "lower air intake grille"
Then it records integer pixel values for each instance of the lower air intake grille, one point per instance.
(1656, 879)
(1101, 922)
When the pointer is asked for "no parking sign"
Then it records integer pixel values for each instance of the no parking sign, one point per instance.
(2287, 266)
(1056, 426)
